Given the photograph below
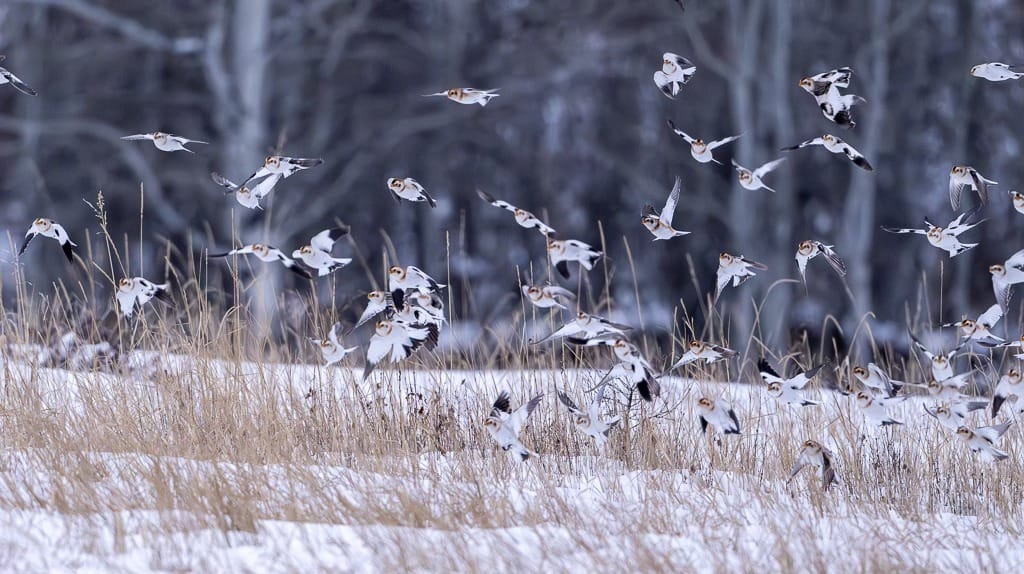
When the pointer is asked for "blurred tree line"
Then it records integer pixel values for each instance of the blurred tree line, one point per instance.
(578, 136)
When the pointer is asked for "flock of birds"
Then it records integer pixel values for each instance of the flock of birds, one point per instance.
(410, 313)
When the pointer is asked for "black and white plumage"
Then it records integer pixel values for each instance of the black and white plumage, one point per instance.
(548, 296)
(245, 196)
(1005, 275)
(504, 425)
(751, 180)
(403, 280)
(836, 145)
(996, 72)
(699, 149)
(317, 254)
(717, 414)
(878, 381)
(135, 292)
(523, 218)
(165, 141)
(394, 341)
(561, 252)
(467, 96)
(6, 77)
(1010, 388)
(983, 441)
(660, 224)
(981, 328)
(876, 408)
(53, 230)
(675, 72)
(810, 249)
(953, 414)
(266, 254)
(814, 454)
(787, 390)
(331, 347)
(1017, 200)
(947, 238)
(825, 89)
(631, 365)
(965, 175)
(409, 189)
(735, 269)
(701, 351)
(377, 302)
(283, 166)
(590, 421)
(950, 389)
(586, 326)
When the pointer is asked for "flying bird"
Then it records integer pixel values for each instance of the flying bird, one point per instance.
(395, 341)
(6, 77)
(53, 230)
(165, 141)
(266, 254)
(952, 415)
(718, 414)
(876, 408)
(751, 180)
(523, 218)
(810, 249)
(317, 254)
(979, 329)
(284, 166)
(734, 268)
(377, 302)
(505, 425)
(590, 421)
(700, 150)
(835, 145)
(825, 89)
(787, 390)
(701, 351)
(1010, 388)
(403, 280)
(1005, 275)
(946, 239)
(675, 72)
(548, 296)
(1018, 201)
(813, 454)
(660, 224)
(244, 195)
(137, 291)
(965, 175)
(874, 378)
(563, 252)
(586, 326)
(941, 363)
(983, 440)
(996, 72)
(467, 95)
(409, 189)
(331, 348)
(631, 366)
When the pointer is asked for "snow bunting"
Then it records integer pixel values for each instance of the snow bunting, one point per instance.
(246, 197)
(942, 363)
(995, 72)
(403, 280)
(751, 180)
(467, 95)
(377, 302)
(395, 341)
(586, 326)
(284, 166)
(965, 175)
(331, 347)
(523, 218)
(812, 453)
(719, 414)
(700, 150)
(876, 408)
(562, 252)
(946, 239)
(675, 72)
(589, 422)
(952, 415)
(825, 89)
(1018, 201)
(267, 254)
(425, 307)
(132, 291)
(836, 145)
(317, 255)
(409, 189)
(810, 249)
(504, 424)
(951, 389)
(1010, 388)
(165, 141)
(631, 366)
(787, 391)
(660, 225)
(818, 84)
(1005, 275)
(701, 351)
(874, 378)
(734, 268)
(53, 230)
(6, 77)
(980, 328)
(982, 441)
(548, 296)
(837, 107)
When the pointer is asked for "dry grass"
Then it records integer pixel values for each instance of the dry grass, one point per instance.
(191, 455)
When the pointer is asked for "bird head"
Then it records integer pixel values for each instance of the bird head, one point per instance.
(725, 259)
(159, 136)
(807, 84)
(974, 70)
(775, 388)
(696, 346)
(806, 248)
(125, 284)
(860, 372)
(396, 273)
(1013, 375)
(395, 184)
(864, 399)
(829, 139)
(273, 162)
(705, 403)
(934, 234)
(958, 170)
(811, 447)
(651, 222)
(964, 432)
(384, 328)
(556, 247)
(997, 270)
(581, 421)
(534, 292)
(376, 296)
(455, 93)
(42, 225)
(260, 249)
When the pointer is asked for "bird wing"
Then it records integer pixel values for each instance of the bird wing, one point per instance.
(264, 187)
(1016, 260)
(980, 184)
(1003, 292)
(719, 143)
(223, 182)
(815, 141)
(764, 169)
(564, 398)
(138, 137)
(518, 418)
(905, 230)
(28, 239)
(954, 192)
(17, 83)
(670, 205)
(665, 84)
(833, 259)
(325, 240)
(679, 132)
(991, 316)
(495, 202)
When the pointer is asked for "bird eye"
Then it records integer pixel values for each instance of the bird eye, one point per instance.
(452, 93)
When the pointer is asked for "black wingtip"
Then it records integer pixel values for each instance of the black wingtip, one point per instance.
(563, 269)
(69, 251)
(863, 164)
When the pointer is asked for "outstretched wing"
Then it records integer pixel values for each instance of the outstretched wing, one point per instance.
(815, 141)
(670, 205)
(764, 169)
(564, 398)
(679, 132)
(719, 143)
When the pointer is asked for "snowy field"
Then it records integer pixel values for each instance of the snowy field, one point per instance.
(206, 466)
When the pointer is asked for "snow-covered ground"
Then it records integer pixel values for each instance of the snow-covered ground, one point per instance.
(231, 467)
